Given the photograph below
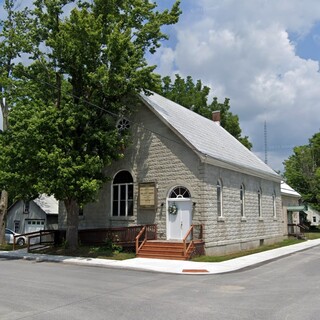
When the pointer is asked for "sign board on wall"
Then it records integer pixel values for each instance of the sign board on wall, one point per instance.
(147, 195)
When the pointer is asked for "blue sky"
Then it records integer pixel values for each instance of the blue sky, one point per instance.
(262, 54)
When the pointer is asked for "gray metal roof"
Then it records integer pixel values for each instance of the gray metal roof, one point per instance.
(206, 137)
(49, 204)
(288, 191)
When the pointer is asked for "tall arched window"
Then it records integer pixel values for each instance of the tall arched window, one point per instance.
(122, 204)
(219, 198)
(260, 202)
(242, 200)
(274, 204)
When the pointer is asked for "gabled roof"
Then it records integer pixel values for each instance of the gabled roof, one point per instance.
(49, 204)
(208, 139)
(288, 191)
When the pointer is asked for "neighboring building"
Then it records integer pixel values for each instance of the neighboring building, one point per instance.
(291, 200)
(294, 212)
(313, 216)
(184, 169)
(34, 215)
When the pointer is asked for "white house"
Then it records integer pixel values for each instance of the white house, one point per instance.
(34, 215)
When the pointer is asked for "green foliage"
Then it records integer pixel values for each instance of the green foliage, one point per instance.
(86, 68)
(302, 171)
(194, 96)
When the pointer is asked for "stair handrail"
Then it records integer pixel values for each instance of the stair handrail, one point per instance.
(185, 248)
(138, 238)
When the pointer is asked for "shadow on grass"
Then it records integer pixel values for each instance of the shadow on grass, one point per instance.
(101, 252)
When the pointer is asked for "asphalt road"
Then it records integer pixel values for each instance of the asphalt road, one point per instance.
(288, 288)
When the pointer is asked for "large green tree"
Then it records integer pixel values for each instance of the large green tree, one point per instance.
(86, 69)
(12, 43)
(302, 171)
(194, 96)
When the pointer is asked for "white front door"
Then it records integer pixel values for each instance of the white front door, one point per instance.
(179, 223)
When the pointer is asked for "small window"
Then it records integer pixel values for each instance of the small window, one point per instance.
(26, 207)
(314, 219)
(242, 200)
(260, 203)
(16, 226)
(122, 193)
(180, 192)
(123, 124)
(219, 198)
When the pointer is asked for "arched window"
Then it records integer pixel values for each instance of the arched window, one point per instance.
(274, 204)
(219, 198)
(242, 200)
(260, 202)
(179, 192)
(122, 204)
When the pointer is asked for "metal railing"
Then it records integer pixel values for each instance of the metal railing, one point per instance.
(296, 229)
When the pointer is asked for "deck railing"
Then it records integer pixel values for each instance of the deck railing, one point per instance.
(296, 230)
(121, 235)
(125, 236)
(36, 238)
(195, 232)
(148, 232)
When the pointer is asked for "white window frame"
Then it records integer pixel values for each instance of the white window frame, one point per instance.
(127, 211)
(274, 204)
(242, 200)
(260, 203)
(219, 198)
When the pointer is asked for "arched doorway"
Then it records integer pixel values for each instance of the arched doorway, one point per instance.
(179, 213)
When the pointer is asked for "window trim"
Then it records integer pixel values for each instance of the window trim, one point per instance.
(128, 185)
(274, 205)
(242, 201)
(219, 194)
(260, 203)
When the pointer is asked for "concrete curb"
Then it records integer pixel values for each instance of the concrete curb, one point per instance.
(169, 266)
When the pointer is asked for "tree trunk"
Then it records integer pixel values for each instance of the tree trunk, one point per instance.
(3, 213)
(72, 223)
(4, 194)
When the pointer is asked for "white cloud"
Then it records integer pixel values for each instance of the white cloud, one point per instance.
(243, 51)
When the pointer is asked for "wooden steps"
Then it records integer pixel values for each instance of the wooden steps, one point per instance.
(173, 250)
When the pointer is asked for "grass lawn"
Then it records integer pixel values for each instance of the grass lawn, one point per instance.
(286, 242)
(101, 252)
(6, 247)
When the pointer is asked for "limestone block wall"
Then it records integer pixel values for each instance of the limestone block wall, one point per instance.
(155, 155)
(231, 231)
(158, 155)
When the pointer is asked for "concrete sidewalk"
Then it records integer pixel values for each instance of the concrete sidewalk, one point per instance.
(169, 266)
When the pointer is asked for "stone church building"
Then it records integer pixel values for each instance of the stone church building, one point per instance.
(181, 170)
